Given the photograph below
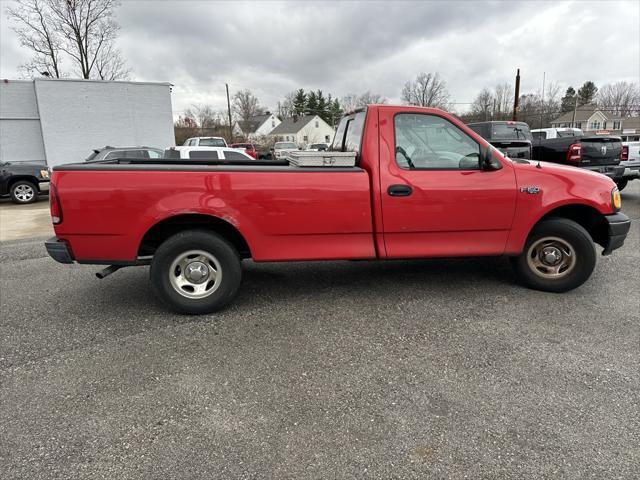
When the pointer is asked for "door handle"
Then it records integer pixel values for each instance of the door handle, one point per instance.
(399, 190)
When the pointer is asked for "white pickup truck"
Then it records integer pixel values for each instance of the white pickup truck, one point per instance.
(205, 142)
(549, 133)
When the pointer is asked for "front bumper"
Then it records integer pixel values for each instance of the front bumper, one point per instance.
(618, 226)
(43, 186)
(58, 250)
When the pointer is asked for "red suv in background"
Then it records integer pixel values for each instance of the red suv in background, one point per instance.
(249, 148)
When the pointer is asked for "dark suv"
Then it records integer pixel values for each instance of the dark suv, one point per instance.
(23, 181)
(511, 138)
(107, 153)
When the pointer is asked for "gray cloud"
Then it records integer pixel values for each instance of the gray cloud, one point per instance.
(342, 47)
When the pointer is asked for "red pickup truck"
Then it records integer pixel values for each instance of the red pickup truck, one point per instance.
(424, 185)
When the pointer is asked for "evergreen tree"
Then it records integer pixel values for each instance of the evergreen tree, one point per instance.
(587, 92)
(322, 105)
(300, 102)
(568, 102)
(335, 113)
(312, 103)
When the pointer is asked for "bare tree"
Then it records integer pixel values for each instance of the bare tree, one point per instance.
(246, 105)
(204, 115)
(111, 65)
(286, 108)
(620, 99)
(483, 104)
(428, 90)
(352, 101)
(36, 31)
(80, 31)
(503, 94)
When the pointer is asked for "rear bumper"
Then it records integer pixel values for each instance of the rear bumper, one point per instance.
(58, 250)
(631, 169)
(618, 226)
(43, 186)
(614, 172)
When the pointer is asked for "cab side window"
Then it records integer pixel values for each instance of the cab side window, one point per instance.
(429, 142)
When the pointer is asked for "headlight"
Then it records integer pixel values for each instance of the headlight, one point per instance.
(44, 173)
(615, 199)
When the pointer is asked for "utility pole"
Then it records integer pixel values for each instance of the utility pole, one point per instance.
(229, 111)
(544, 76)
(575, 108)
(516, 100)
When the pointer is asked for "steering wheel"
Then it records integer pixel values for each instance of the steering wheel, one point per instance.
(403, 152)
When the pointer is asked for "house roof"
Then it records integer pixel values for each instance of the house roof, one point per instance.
(583, 113)
(251, 125)
(292, 125)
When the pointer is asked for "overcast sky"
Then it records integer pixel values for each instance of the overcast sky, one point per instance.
(351, 47)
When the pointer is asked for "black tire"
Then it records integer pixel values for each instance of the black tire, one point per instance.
(622, 184)
(171, 250)
(569, 236)
(23, 192)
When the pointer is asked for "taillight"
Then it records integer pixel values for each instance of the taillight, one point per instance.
(574, 154)
(54, 205)
(624, 153)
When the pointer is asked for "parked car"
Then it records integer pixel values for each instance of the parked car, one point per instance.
(205, 142)
(317, 147)
(424, 185)
(23, 181)
(631, 163)
(511, 138)
(281, 149)
(108, 153)
(598, 153)
(205, 153)
(248, 148)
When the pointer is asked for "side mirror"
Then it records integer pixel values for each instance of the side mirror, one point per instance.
(487, 162)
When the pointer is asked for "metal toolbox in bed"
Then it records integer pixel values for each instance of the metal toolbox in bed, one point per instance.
(322, 159)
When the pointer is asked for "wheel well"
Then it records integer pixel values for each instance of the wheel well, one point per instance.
(28, 178)
(166, 228)
(588, 217)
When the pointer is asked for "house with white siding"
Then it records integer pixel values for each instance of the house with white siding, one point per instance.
(256, 127)
(593, 121)
(303, 130)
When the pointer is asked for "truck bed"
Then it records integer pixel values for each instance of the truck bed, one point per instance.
(281, 210)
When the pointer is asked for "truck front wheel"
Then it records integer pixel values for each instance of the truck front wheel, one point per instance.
(195, 272)
(24, 191)
(559, 256)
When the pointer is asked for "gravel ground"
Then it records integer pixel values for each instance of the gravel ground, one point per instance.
(427, 369)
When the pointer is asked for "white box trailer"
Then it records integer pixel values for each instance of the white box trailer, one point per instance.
(57, 121)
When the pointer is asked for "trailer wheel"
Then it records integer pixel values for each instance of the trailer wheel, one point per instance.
(559, 255)
(24, 191)
(195, 272)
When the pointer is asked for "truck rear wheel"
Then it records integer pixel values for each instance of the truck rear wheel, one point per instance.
(559, 256)
(24, 191)
(195, 272)
(622, 184)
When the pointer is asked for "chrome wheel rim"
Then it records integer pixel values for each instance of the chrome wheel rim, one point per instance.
(195, 274)
(24, 193)
(551, 258)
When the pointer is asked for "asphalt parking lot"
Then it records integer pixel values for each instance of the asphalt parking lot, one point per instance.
(427, 369)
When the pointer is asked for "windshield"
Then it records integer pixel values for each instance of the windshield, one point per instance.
(282, 145)
(212, 142)
(510, 131)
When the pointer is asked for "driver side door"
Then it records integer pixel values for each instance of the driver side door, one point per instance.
(436, 201)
